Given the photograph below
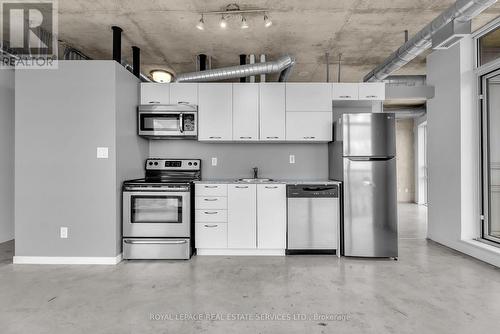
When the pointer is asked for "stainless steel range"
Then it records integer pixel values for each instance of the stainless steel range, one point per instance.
(157, 210)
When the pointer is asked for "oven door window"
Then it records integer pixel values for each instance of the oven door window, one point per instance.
(160, 122)
(156, 209)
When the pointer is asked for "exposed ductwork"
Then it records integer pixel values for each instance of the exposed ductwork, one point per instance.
(136, 61)
(461, 11)
(282, 65)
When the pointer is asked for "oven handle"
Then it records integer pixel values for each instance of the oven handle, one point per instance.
(181, 123)
(139, 190)
(159, 242)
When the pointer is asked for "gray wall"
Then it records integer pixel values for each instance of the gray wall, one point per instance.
(6, 155)
(131, 150)
(443, 125)
(237, 160)
(62, 116)
(405, 160)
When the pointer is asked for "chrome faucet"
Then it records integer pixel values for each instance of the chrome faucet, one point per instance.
(255, 172)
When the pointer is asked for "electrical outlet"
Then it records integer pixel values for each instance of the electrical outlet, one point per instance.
(64, 232)
(102, 153)
(292, 158)
(214, 161)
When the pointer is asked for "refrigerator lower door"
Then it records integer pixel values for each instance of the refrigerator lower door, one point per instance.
(370, 208)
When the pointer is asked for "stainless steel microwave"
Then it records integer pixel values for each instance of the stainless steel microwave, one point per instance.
(168, 121)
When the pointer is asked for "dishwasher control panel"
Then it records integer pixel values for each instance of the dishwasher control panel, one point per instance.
(313, 191)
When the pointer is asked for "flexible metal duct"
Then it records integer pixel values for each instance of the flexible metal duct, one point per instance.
(462, 11)
(233, 72)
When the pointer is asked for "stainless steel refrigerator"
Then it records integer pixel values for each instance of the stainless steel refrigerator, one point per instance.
(363, 157)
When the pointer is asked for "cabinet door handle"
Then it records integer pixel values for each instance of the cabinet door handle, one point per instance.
(345, 96)
(309, 137)
(215, 137)
(211, 187)
(156, 102)
(268, 187)
(241, 187)
(211, 225)
(210, 212)
(210, 199)
(245, 137)
(371, 96)
(272, 137)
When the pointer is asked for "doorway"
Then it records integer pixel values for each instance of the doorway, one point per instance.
(422, 163)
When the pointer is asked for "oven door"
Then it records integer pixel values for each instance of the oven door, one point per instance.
(168, 124)
(156, 214)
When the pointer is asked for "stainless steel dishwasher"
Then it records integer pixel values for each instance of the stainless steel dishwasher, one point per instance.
(313, 219)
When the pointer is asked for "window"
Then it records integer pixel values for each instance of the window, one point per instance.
(488, 43)
(490, 88)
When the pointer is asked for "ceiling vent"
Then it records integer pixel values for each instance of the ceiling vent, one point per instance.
(450, 34)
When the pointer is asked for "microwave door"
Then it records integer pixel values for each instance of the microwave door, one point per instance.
(160, 124)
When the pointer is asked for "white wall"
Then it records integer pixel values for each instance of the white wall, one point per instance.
(6, 155)
(452, 123)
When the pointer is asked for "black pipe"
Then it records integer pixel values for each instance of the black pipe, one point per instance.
(203, 61)
(243, 61)
(117, 44)
(136, 61)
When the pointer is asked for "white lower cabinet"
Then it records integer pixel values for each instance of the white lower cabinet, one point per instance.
(240, 219)
(271, 216)
(241, 216)
(211, 235)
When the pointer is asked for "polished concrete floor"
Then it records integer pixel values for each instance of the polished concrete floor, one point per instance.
(431, 289)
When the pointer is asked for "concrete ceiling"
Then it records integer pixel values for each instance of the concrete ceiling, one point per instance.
(364, 31)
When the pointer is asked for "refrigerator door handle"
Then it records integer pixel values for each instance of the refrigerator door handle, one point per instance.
(369, 158)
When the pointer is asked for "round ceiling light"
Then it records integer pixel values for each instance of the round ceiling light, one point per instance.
(161, 76)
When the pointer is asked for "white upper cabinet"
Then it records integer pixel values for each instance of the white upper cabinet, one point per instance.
(309, 126)
(155, 93)
(271, 216)
(345, 91)
(242, 216)
(272, 111)
(309, 97)
(184, 93)
(245, 112)
(372, 91)
(215, 111)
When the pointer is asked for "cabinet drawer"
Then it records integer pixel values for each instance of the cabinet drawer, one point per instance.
(212, 235)
(210, 216)
(205, 189)
(210, 202)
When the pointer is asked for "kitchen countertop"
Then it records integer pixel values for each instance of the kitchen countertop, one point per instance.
(282, 181)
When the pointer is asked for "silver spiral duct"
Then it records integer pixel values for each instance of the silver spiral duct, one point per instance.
(276, 66)
(462, 11)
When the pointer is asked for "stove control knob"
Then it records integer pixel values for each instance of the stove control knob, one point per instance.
(190, 163)
(156, 163)
(150, 163)
(196, 164)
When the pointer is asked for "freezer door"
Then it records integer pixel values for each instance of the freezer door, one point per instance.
(369, 135)
(370, 211)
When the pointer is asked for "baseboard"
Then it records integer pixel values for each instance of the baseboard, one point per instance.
(240, 252)
(67, 260)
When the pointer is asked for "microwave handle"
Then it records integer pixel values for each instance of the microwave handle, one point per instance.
(181, 123)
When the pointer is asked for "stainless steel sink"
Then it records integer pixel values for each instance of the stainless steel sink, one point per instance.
(252, 180)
